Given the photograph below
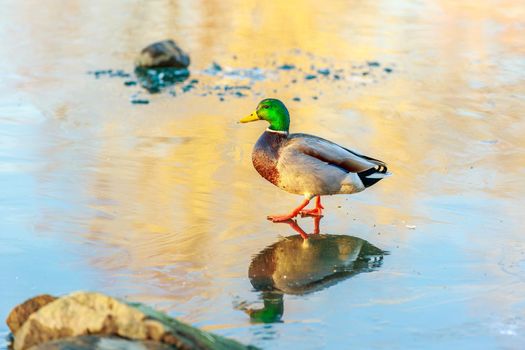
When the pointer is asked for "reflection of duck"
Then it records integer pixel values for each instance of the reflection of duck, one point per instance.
(272, 310)
(306, 164)
(295, 265)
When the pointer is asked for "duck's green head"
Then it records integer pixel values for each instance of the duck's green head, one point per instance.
(273, 111)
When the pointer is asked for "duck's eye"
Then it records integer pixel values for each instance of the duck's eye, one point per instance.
(265, 107)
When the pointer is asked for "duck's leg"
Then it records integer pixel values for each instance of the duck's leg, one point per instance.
(317, 211)
(317, 221)
(294, 213)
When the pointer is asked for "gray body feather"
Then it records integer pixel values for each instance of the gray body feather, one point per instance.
(310, 166)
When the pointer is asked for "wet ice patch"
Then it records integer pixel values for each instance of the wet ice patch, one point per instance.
(313, 73)
(511, 327)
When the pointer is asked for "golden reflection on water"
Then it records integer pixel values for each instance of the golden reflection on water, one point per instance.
(169, 197)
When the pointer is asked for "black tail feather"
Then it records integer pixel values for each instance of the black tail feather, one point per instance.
(364, 175)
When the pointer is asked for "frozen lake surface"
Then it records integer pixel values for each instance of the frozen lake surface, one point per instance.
(159, 203)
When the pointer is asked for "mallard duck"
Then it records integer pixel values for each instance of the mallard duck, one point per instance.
(305, 164)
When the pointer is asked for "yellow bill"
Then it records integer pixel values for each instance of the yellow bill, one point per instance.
(251, 118)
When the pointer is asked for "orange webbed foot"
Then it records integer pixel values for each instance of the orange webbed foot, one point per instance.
(312, 212)
(294, 213)
(280, 218)
(317, 211)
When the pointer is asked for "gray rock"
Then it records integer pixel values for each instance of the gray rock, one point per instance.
(93, 342)
(163, 54)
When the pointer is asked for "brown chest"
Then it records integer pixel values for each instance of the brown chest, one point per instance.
(266, 166)
(266, 153)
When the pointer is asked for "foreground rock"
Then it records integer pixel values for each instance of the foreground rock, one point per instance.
(84, 313)
(163, 54)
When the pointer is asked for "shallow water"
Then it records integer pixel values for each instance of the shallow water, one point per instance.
(159, 203)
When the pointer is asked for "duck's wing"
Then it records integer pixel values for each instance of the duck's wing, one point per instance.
(368, 169)
(333, 154)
